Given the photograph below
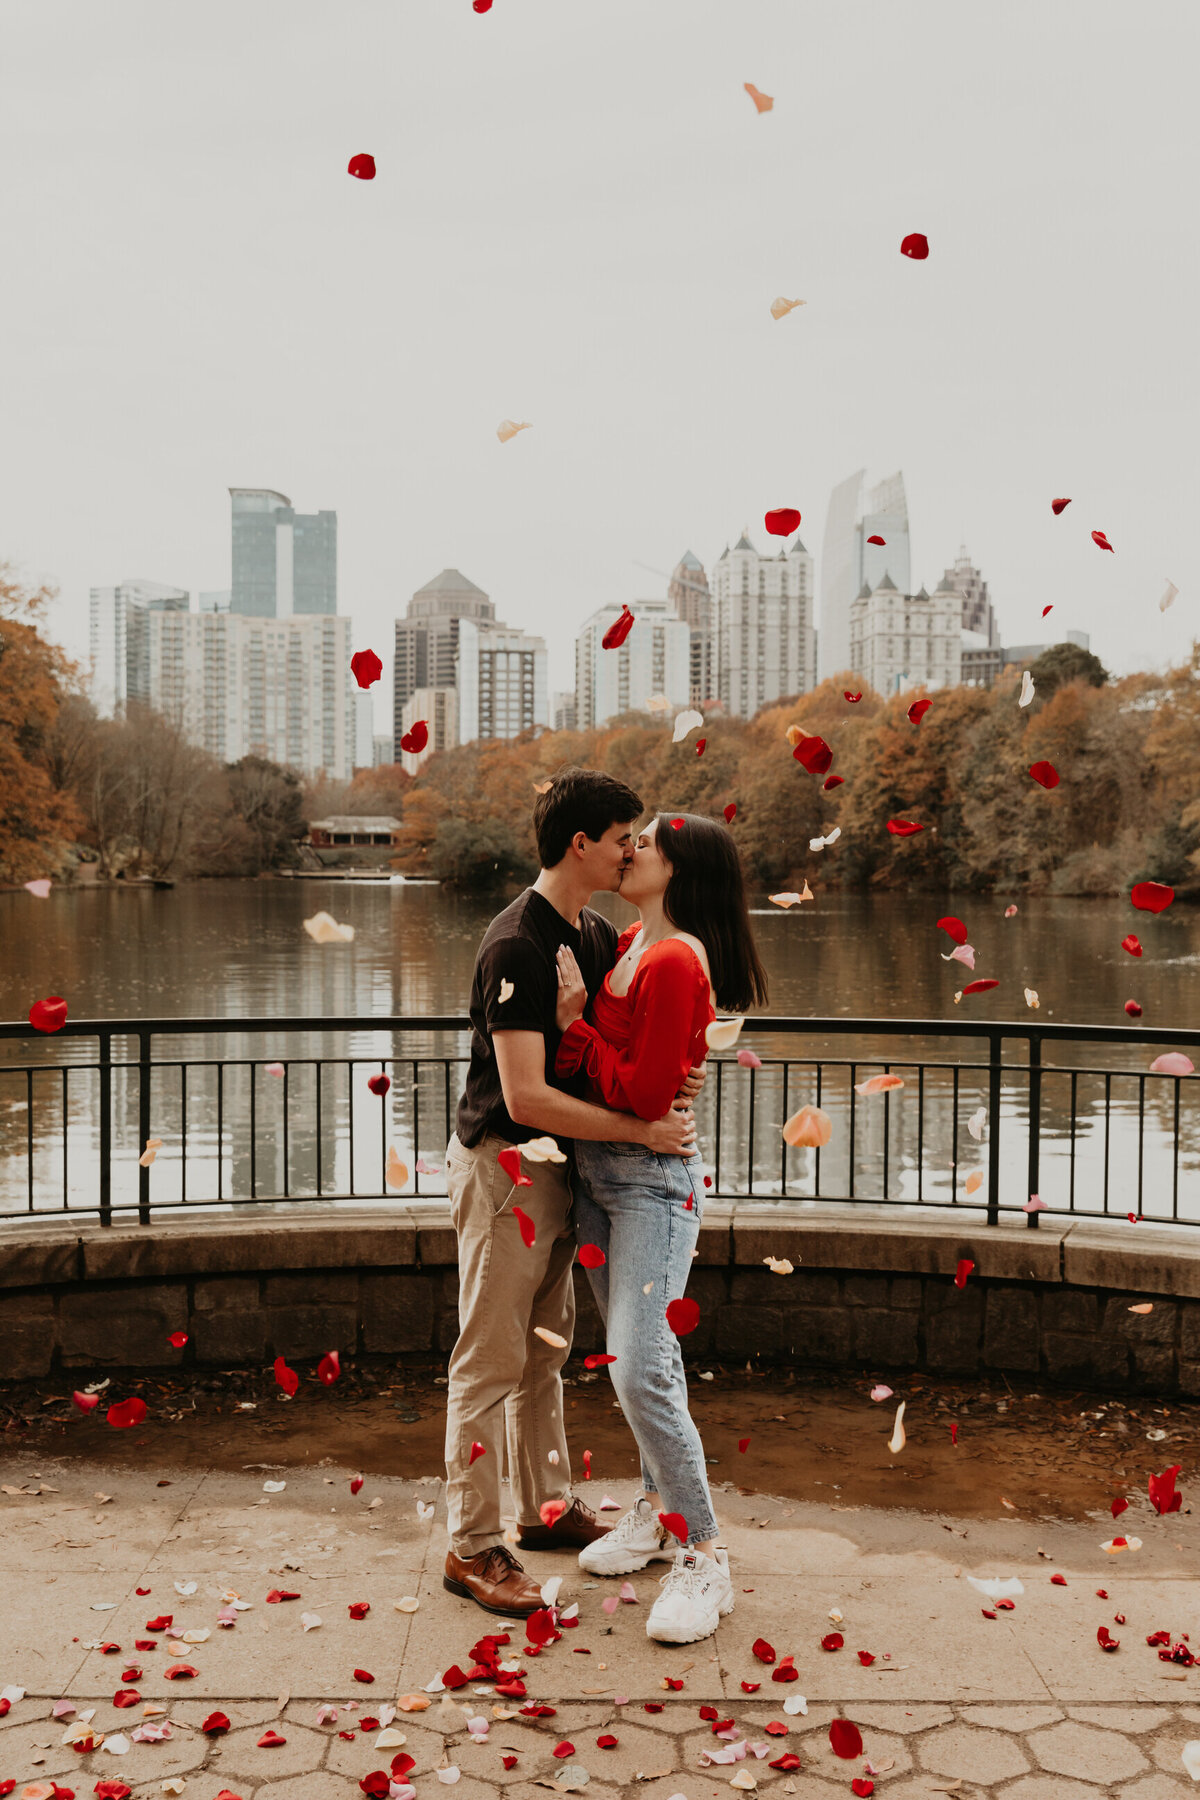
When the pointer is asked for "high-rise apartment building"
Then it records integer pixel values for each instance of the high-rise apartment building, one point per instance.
(654, 660)
(849, 561)
(118, 640)
(977, 612)
(688, 592)
(439, 709)
(563, 712)
(899, 641)
(426, 648)
(764, 642)
(284, 562)
(241, 686)
(501, 681)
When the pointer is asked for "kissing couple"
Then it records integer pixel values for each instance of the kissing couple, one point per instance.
(598, 1041)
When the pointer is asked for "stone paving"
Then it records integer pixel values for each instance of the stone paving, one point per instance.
(1024, 1706)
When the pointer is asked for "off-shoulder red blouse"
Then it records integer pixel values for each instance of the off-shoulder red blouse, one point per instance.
(637, 1047)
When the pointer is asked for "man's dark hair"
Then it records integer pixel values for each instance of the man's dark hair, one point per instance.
(584, 800)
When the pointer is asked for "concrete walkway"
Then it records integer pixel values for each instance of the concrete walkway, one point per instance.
(1025, 1705)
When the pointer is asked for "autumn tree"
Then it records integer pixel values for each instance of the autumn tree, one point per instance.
(37, 819)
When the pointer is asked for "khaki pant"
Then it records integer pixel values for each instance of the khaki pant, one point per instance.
(504, 1381)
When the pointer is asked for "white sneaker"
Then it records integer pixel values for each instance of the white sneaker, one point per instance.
(634, 1541)
(695, 1593)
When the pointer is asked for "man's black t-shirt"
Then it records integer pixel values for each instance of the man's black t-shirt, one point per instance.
(519, 946)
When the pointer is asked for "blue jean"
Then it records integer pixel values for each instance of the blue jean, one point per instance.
(633, 1205)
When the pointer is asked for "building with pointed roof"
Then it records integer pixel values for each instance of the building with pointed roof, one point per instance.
(900, 641)
(849, 560)
(977, 612)
(691, 598)
(764, 642)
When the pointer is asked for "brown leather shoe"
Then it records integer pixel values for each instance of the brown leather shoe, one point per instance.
(571, 1531)
(495, 1580)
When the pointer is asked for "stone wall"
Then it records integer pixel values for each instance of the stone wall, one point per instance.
(872, 1289)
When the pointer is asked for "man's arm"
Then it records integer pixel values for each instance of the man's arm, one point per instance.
(521, 1061)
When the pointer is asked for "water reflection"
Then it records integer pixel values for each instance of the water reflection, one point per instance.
(238, 950)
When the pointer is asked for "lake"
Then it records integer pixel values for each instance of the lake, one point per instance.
(238, 949)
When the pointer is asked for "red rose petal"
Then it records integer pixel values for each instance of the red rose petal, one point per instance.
(654, 1706)
(362, 167)
(110, 1649)
(563, 1749)
(483, 6)
(1133, 1009)
(551, 1511)
(672, 1682)
(363, 1675)
(954, 928)
(180, 1672)
(618, 631)
(607, 1741)
(278, 1595)
(215, 1724)
(876, 539)
(832, 781)
(539, 1626)
(1058, 506)
(1047, 609)
(775, 1728)
(1161, 1488)
(287, 1378)
(49, 1014)
(526, 1225)
(700, 743)
(359, 1609)
(477, 1450)
(731, 812)
(126, 1413)
(1105, 1641)
(1099, 539)
(833, 1640)
(510, 1762)
(88, 1403)
(356, 1482)
(683, 1316)
(904, 827)
(592, 1256)
(365, 666)
(1006, 1605)
(162, 1623)
(1118, 1507)
(132, 1673)
(919, 708)
(743, 1445)
(709, 1712)
(813, 754)
(865, 1658)
(751, 1687)
(852, 698)
(788, 1761)
(587, 1465)
(126, 1697)
(964, 1268)
(415, 740)
(598, 1361)
(178, 1339)
(1058, 1581)
(1045, 774)
(915, 245)
(981, 986)
(510, 1161)
(378, 1784)
(862, 1785)
(675, 1523)
(1131, 944)
(763, 1651)
(329, 1368)
(1152, 896)
(954, 1431)
(379, 1084)
(845, 1739)
(270, 1740)
(782, 521)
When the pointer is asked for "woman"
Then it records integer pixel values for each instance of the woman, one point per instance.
(691, 947)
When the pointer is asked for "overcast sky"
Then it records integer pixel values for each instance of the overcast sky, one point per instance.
(580, 220)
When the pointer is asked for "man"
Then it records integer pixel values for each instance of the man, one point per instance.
(504, 1379)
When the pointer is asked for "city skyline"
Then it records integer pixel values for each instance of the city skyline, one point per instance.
(1028, 357)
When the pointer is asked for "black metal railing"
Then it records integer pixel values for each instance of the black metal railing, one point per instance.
(251, 1126)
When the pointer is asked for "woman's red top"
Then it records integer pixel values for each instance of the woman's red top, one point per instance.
(638, 1047)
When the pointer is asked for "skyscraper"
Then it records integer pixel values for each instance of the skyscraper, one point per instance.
(849, 560)
(427, 639)
(689, 594)
(501, 681)
(118, 641)
(284, 562)
(764, 645)
(977, 612)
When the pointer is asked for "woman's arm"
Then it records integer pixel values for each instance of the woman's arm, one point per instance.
(667, 991)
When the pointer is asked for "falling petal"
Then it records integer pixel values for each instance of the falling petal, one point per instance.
(509, 1160)
(976, 1122)
(1045, 774)
(915, 245)
(1047, 609)
(542, 1149)
(1151, 896)
(49, 1014)
(879, 1084)
(963, 953)
(685, 722)
(810, 1128)
(526, 1227)
(731, 812)
(1031, 999)
(1174, 1062)
(723, 1034)
(762, 102)
(1099, 539)
(366, 667)
(1163, 604)
(323, 929)
(40, 889)
(362, 167)
(748, 1060)
(974, 1181)
(1058, 506)
(1027, 689)
(981, 986)
(781, 307)
(813, 754)
(552, 1338)
(880, 1392)
(1010, 912)
(1131, 944)
(782, 521)
(898, 1439)
(919, 708)
(954, 928)
(778, 1265)
(904, 827)
(416, 739)
(790, 898)
(1133, 1009)
(683, 1316)
(396, 1173)
(963, 1270)
(508, 428)
(876, 539)
(852, 698)
(592, 1256)
(618, 631)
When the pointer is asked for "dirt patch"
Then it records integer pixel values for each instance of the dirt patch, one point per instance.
(1057, 1455)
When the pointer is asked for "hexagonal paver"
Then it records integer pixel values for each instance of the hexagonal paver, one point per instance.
(1158, 1787)
(239, 1754)
(1052, 1787)
(671, 1718)
(637, 1751)
(359, 1757)
(1166, 1750)
(1086, 1753)
(316, 1786)
(1122, 1718)
(878, 1745)
(904, 1719)
(973, 1753)
(1012, 1718)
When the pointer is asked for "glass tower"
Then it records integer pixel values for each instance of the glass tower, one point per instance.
(284, 562)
